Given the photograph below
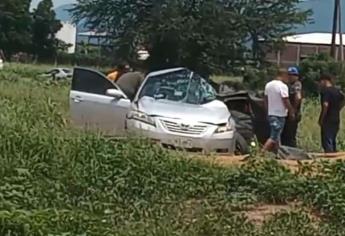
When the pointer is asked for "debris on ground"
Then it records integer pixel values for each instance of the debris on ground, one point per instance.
(290, 153)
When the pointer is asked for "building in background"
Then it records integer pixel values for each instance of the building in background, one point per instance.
(300, 46)
(68, 34)
(94, 38)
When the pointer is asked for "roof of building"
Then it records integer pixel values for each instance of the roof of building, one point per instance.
(313, 38)
(93, 34)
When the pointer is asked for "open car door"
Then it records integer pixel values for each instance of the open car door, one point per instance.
(96, 103)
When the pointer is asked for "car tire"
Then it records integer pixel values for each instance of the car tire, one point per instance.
(242, 146)
(244, 125)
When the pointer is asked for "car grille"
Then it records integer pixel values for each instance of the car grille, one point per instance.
(181, 128)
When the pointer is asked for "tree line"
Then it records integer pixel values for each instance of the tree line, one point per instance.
(206, 35)
(28, 32)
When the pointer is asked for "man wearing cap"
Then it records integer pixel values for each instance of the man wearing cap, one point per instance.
(289, 135)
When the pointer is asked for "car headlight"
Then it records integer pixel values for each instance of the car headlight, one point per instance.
(229, 126)
(141, 116)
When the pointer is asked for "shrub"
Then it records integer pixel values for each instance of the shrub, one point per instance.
(84, 60)
(256, 78)
(314, 66)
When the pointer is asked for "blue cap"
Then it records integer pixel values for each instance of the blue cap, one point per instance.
(293, 71)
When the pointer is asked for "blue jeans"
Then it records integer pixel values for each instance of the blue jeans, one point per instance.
(277, 125)
(329, 134)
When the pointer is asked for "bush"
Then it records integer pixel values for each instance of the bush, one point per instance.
(84, 60)
(78, 59)
(256, 78)
(313, 67)
(311, 70)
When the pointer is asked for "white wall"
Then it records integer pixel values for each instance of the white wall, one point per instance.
(68, 34)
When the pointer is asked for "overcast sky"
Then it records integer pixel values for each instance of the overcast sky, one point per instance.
(56, 2)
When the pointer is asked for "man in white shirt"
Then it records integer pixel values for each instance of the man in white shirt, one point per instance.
(278, 107)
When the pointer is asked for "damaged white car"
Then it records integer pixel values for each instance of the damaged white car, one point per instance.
(176, 108)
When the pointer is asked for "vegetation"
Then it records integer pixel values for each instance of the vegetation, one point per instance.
(22, 31)
(318, 64)
(55, 180)
(209, 36)
(44, 28)
(14, 25)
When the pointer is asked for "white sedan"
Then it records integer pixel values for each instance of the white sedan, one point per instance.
(175, 107)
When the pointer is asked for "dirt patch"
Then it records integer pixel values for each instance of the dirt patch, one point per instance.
(236, 161)
(227, 161)
(260, 213)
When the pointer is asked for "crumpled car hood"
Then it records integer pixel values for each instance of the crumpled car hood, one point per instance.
(214, 112)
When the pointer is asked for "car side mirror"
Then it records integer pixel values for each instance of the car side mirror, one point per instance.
(114, 93)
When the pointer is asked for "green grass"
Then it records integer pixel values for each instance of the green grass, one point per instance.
(309, 130)
(55, 180)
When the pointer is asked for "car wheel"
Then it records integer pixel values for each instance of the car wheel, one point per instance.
(244, 125)
(242, 146)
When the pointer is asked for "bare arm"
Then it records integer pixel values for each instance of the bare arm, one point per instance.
(324, 110)
(297, 87)
(288, 106)
(298, 100)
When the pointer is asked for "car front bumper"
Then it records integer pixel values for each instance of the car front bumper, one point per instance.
(207, 143)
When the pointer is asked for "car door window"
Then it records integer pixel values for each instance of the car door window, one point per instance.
(89, 81)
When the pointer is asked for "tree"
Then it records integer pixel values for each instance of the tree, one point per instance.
(205, 35)
(269, 20)
(15, 23)
(197, 34)
(44, 27)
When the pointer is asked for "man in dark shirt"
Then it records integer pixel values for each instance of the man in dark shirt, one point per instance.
(289, 135)
(130, 82)
(332, 101)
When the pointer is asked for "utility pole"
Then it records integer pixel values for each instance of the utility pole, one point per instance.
(335, 27)
(341, 47)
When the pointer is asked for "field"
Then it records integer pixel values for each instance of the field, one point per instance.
(58, 181)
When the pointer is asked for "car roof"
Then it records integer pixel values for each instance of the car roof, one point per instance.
(161, 72)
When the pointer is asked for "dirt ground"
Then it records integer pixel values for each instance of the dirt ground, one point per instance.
(260, 213)
(235, 161)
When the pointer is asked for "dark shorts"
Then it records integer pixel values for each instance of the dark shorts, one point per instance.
(276, 127)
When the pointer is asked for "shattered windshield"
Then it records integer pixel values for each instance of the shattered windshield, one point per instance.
(179, 86)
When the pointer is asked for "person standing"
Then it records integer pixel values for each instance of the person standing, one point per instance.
(278, 107)
(120, 70)
(289, 135)
(332, 101)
